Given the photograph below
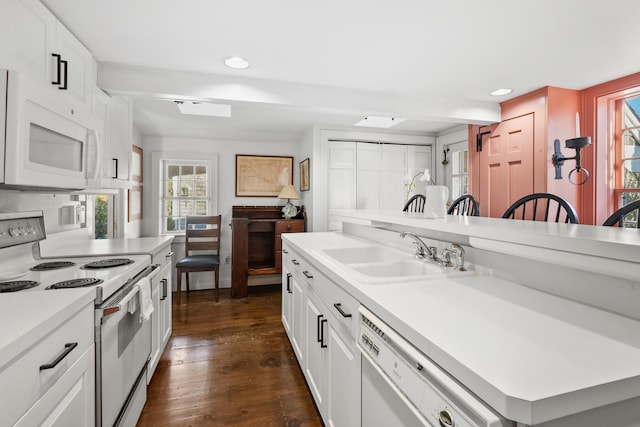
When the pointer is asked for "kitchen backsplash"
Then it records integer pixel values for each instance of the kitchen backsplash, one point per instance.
(52, 204)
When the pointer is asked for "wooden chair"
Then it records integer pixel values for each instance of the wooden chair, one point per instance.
(541, 207)
(464, 205)
(202, 234)
(625, 213)
(415, 204)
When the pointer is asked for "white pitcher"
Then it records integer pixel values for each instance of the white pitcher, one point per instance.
(435, 205)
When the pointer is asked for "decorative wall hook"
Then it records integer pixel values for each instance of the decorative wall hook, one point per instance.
(558, 158)
(445, 162)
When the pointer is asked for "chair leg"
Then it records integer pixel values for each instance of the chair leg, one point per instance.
(179, 286)
(187, 274)
(217, 274)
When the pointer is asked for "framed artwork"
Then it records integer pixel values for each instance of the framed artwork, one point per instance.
(136, 163)
(262, 176)
(134, 210)
(304, 175)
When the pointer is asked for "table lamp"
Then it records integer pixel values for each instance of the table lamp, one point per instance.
(289, 192)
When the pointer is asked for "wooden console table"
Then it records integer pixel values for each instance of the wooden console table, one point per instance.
(257, 246)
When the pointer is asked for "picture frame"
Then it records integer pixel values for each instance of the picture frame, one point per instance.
(305, 183)
(136, 163)
(262, 176)
(134, 208)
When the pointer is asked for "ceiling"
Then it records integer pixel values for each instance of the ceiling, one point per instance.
(432, 62)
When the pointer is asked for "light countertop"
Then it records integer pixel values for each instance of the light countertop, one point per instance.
(531, 356)
(56, 247)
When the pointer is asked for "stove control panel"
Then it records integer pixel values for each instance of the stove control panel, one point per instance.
(17, 231)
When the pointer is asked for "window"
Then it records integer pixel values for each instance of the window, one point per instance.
(459, 172)
(627, 164)
(185, 192)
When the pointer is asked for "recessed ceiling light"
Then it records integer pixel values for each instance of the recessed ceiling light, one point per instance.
(501, 91)
(236, 62)
(379, 122)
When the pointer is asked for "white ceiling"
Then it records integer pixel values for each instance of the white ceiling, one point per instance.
(405, 58)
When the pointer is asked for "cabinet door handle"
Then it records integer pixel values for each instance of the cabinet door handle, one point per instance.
(115, 169)
(319, 317)
(289, 283)
(322, 344)
(307, 274)
(66, 72)
(169, 255)
(164, 289)
(68, 348)
(295, 262)
(59, 67)
(338, 307)
(284, 251)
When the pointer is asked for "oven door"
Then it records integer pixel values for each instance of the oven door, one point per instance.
(124, 350)
(51, 142)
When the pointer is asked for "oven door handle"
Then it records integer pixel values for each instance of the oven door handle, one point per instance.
(108, 311)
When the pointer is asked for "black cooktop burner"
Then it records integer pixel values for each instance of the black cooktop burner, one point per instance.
(53, 265)
(108, 263)
(17, 285)
(75, 283)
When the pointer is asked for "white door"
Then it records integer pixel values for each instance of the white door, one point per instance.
(418, 159)
(394, 166)
(315, 366)
(343, 398)
(368, 176)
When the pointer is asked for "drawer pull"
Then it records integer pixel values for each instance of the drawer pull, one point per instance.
(319, 317)
(338, 307)
(307, 274)
(295, 262)
(322, 344)
(284, 251)
(68, 348)
(164, 289)
(169, 255)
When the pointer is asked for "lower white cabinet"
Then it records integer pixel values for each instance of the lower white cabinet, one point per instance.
(53, 381)
(70, 401)
(161, 317)
(320, 320)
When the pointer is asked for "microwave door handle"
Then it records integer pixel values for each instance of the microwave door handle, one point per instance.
(95, 162)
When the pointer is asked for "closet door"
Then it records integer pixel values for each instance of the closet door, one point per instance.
(394, 166)
(341, 179)
(368, 176)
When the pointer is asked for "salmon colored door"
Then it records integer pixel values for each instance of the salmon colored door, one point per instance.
(506, 165)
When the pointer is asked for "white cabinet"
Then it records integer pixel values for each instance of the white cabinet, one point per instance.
(320, 319)
(161, 317)
(115, 117)
(53, 381)
(34, 42)
(393, 168)
(368, 176)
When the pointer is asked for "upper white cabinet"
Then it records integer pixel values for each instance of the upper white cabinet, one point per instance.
(115, 115)
(34, 42)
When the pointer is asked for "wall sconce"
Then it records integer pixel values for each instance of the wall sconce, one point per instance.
(558, 158)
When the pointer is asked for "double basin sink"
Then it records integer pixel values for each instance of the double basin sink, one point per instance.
(381, 264)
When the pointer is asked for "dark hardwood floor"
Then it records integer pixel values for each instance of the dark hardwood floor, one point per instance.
(229, 364)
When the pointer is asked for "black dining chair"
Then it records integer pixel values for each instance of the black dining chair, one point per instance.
(415, 204)
(627, 216)
(542, 207)
(202, 234)
(464, 205)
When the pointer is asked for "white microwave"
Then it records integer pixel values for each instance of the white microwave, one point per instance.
(50, 141)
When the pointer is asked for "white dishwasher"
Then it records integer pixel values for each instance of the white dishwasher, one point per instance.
(402, 387)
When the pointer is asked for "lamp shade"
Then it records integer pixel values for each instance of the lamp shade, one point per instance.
(288, 192)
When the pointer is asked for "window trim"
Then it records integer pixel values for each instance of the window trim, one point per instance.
(157, 160)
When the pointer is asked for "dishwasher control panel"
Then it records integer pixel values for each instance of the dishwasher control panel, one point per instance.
(438, 399)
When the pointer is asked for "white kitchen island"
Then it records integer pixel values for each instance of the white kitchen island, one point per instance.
(545, 330)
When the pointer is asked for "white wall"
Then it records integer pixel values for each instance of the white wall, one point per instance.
(226, 151)
(134, 228)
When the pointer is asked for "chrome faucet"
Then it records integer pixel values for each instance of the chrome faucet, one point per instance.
(422, 250)
(458, 251)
